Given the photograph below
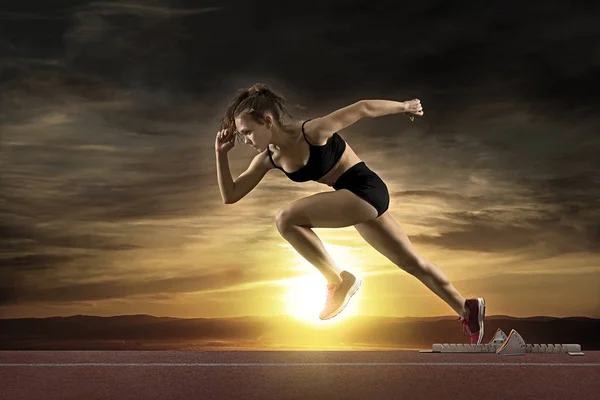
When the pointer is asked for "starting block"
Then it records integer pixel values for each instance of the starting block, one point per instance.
(502, 345)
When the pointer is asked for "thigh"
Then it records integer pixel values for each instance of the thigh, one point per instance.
(388, 238)
(336, 209)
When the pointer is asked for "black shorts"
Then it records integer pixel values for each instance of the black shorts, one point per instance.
(366, 184)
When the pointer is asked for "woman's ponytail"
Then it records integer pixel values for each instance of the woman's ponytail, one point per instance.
(255, 101)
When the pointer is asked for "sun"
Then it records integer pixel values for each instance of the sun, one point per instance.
(305, 295)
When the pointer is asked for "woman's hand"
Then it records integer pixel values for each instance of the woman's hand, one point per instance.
(225, 141)
(414, 107)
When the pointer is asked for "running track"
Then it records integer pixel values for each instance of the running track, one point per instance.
(281, 375)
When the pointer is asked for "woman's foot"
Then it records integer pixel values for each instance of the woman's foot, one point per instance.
(338, 296)
(473, 322)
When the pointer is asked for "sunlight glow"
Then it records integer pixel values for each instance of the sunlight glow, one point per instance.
(305, 295)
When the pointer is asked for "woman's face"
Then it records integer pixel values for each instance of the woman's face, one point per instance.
(255, 135)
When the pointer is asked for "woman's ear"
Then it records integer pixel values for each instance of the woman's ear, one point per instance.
(268, 121)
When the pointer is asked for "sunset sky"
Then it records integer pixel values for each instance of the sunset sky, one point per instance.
(109, 202)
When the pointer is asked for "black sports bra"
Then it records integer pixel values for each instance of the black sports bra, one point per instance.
(321, 159)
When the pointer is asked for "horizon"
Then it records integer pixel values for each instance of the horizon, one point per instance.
(145, 332)
(316, 322)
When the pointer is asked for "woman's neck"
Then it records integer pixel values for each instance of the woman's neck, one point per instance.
(283, 136)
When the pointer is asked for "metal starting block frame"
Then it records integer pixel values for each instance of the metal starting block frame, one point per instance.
(502, 345)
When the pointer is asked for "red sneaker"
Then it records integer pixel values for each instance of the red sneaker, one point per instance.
(338, 296)
(473, 322)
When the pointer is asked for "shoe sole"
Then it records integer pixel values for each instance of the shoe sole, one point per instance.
(353, 289)
(481, 308)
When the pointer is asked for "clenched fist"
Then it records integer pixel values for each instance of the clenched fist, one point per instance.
(414, 107)
(225, 141)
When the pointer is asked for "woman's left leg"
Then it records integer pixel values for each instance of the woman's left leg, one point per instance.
(387, 237)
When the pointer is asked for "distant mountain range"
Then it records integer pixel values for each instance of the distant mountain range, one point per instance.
(146, 332)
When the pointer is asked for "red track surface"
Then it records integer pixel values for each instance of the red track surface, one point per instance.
(279, 375)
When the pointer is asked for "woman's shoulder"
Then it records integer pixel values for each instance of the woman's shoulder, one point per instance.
(295, 127)
(306, 128)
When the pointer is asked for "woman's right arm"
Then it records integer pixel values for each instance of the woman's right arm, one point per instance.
(231, 191)
(226, 184)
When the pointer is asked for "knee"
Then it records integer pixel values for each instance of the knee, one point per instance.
(284, 220)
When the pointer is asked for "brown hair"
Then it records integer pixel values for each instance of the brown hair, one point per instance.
(254, 101)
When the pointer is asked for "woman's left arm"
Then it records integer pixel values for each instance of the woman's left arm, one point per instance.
(378, 108)
(325, 126)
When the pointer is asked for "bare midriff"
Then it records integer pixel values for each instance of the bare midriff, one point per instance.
(346, 161)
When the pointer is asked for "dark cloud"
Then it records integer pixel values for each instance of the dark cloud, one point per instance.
(88, 241)
(15, 16)
(455, 199)
(574, 194)
(537, 283)
(16, 232)
(545, 233)
(118, 289)
(15, 270)
(34, 262)
(482, 232)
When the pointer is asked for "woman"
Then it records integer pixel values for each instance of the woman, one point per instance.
(313, 150)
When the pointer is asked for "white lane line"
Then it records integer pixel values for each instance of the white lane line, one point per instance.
(307, 364)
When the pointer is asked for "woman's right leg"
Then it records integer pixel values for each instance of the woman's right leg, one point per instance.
(306, 242)
(336, 209)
